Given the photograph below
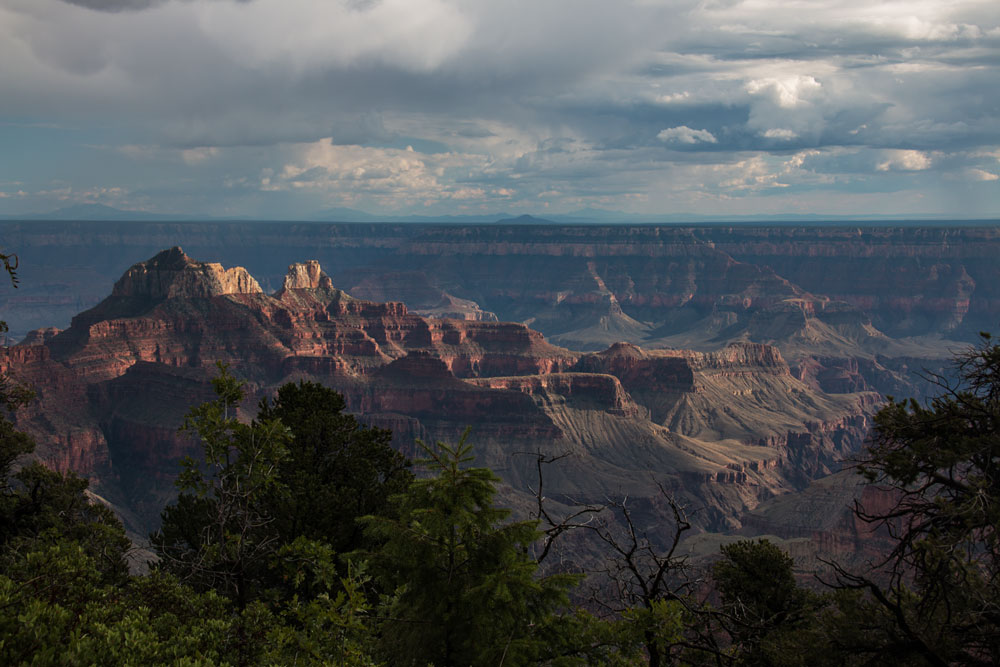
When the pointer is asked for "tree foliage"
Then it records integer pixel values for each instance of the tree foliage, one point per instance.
(335, 469)
(761, 603)
(65, 593)
(465, 589)
(39, 507)
(256, 522)
(301, 537)
(939, 588)
(10, 263)
(218, 535)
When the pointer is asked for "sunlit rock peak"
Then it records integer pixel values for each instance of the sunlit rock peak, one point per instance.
(172, 274)
(307, 275)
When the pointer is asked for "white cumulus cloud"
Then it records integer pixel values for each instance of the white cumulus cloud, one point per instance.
(904, 160)
(673, 98)
(784, 134)
(788, 92)
(983, 175)
(683, 134)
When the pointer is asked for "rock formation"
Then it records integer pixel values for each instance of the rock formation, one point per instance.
(784, 336)
(875, 300)
(307, 276)
(171, 274)
(723, 430)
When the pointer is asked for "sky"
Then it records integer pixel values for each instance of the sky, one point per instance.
(288, 108)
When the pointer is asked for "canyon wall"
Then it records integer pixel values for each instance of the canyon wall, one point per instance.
(903, 280)
(722, 429)
(734, 365)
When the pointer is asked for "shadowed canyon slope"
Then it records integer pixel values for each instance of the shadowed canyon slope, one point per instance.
(722, 429)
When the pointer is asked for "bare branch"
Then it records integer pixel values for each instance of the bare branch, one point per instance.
(554, 527)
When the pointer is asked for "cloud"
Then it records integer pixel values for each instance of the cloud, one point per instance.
(788, 92)
(983, 175)
(124, 5)
(685, 135)
(198, 155)
(115, 5)
(573, 98)
(782, 134)
(392, 177)
(673, 98)
(305, 35)
(904, 160)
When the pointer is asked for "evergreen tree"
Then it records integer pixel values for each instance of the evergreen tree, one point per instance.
(761, 601)
(65, 593)
(466, 591)
(218, 535)
(40, 507)
(335, 470)
(233, 532)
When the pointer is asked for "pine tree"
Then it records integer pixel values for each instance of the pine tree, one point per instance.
(336, 470)
(466, 591)
(217, 536)
(233, 532)
(761, 602)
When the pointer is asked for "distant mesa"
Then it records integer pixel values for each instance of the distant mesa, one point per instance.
(99, 213)
(525, 220)
(172, 274)
(414, 289)
(307, 275)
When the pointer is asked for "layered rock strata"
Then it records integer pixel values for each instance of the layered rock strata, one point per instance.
(722, 430)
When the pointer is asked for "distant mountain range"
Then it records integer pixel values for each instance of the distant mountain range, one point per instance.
(101, 212)
(98, 212)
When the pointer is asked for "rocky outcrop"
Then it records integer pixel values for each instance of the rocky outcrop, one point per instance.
(21, 356)
(587, 390)
(680, 371)
(171, 275)
(822, 513)
(822, 317)
(307, 275)
(745, 392)
(909, 280)
(60, 417)
(905, 280)
(589, 289)
(113, 388)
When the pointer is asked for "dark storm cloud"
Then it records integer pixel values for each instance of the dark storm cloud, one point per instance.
(531, 98)
(115, 5)
(360, 129)
(124, 5)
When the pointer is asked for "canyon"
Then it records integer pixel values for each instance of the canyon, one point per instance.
(735, 368)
